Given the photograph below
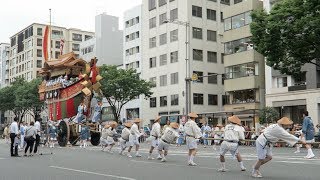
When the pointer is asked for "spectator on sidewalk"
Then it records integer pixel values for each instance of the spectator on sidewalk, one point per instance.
(30, 137)
(37, 125)
(14, 133)
(308, 133)
(22, 134)
(6, 134)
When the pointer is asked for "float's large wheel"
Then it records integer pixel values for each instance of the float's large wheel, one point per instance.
(74, 136)
(95, 138)
(63, 133)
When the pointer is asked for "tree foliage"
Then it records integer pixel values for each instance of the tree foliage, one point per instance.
(268, 115)
(120, 86)
(289, 36)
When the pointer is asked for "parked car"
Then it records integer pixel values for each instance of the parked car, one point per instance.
(146, 130)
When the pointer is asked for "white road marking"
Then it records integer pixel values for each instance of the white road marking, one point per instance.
(94, 173)
(170, 164)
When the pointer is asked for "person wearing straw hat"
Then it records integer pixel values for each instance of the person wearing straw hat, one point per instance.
(97, 112)
(154, 136)
(218, 134)
(104, 136)
(272, 134)
(134, 137)
(82, 108)
(124, 140)
(233, 133)
(193, 134)
(110, 131)
(170, 135)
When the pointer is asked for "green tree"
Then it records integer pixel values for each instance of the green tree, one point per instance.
(289, 36)
(120, 86)
(268, 115)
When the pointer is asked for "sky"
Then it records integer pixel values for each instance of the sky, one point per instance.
(18, 14)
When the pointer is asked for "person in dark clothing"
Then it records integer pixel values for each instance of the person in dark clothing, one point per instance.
(14, 132)
(37, 125)
(30, 135)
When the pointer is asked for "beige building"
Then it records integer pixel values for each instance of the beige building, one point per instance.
(244, 67)
(26, 56)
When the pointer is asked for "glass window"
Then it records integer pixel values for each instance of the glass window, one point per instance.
(163, 39)
(163, 59)
(75, 37)
(222, 58)
(197, 55)
(153, 81)
(162, 18)
(163, 80)
(174, 100)
(238, 46)
(75, 47)
(200, 76)
(174, 14)
(163, 101)
(152, 23)
(197, 98)
(237, 1)
(162, 2)
(174, 35)
(247, 17)
(212, 99)
(153, 102)
(212, 56)
(39, 63)
(212, 78)
(174, 57)
(282, 82)
(197, 33)
(152, 4)
(152, 62)
(39, 31)
(243, 96)
(227, 24)
(197, 11)
(174, 78)
(152, 42)
(39, 42)
(211, 14)
(237, 21)
(221, 16)
(211, 35)
(226, 2)
(241, 70)
(39, 53)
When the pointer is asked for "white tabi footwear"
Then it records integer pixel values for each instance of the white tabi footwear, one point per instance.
(150, 158)
(243, 169)
(163, 159)
(159, 157)
(191, 163)
(310, 156)
(129, 155)
(222, 170)
(138, 155)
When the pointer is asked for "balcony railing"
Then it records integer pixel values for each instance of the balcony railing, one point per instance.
(297, 87)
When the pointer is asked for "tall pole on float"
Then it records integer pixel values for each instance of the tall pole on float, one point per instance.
(50, 35)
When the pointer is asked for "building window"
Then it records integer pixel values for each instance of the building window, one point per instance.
(163, 80)
(212, 78)
(76, 37)
(174, 35)
(211, 14)
(174, 57)
(174, 14)
(152, 42)
(87, 37)
(162, 2)
(163, 101)
(162, 18)
(163, 59)
(175, 100)
(153, 81)
(197, 33)
(247, 18)
(152, 62)
(226, 2)
(39, 53)
(282, 82)
(221, 17)
(242, 70)
(152, 4)
(174, 78)
(152, 23)
(197, 11)
(57, 44)
(57, 54)
(225, 99)
(238, 21)
(222, 58)
(75, 47)
(212, 99)
(237, 1)
(153, 102)
(212, 56)
(39, 42)
(213, 0)
(163, 39)
(197, 98)
(200, 76)
(211, 35)
(237, 46)
(227, 24)
(39, 31)
(244, 96)
(197, 55)
(39, 63)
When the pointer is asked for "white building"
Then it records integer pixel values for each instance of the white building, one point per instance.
(164, 53)
(107, 43)
(4, 64)
(132, 55)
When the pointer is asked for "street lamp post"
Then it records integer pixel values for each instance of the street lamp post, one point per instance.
(187, 59)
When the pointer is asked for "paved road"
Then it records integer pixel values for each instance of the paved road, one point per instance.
(73, 163)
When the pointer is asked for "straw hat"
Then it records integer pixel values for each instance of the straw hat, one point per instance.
(157, 118)
(107, 126)
(285, 121)
(127, 124)
(174, 125)
(193, 115)
(235, 119)
(113, 124)
(137, 120)
(219, 125)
